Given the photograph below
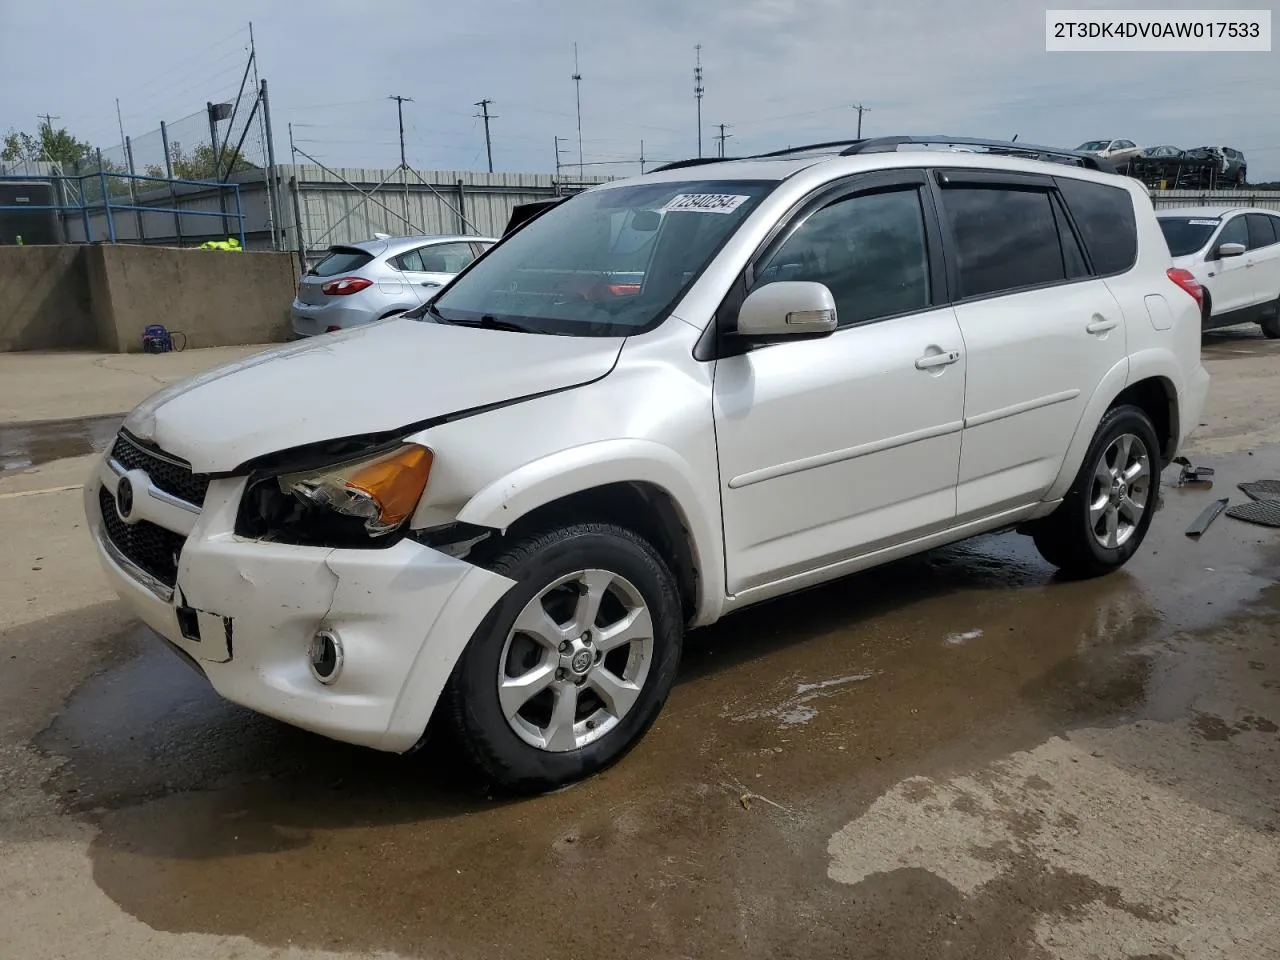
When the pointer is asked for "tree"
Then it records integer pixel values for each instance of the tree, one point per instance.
(199, 164)
(58, 146)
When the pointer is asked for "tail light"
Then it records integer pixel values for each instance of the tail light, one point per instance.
(624, 289)
(345, 286)
(1187, 281)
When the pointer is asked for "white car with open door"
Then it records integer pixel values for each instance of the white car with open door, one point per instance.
(1234, 252)
(652, 405)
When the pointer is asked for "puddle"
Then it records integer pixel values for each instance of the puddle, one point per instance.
(212, 819)
(26, 445)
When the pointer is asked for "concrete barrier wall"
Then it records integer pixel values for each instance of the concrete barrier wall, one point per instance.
(102, 297)
(44, 299)
(215, 298)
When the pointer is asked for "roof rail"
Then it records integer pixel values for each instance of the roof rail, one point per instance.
(693, 162)
(803, 147)
(1003, 147)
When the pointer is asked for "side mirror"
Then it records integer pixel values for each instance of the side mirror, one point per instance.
(1230, 250)
(788, 308)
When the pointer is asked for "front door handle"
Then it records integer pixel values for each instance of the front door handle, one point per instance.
(931, 360)
(1102, 325)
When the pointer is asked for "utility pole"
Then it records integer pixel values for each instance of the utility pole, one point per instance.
(642, 158)
(404, 166)
(577, 86)
(860, 108)
(48, 119)
(722, 138)
(488, 145)
(558, 163)
(698, 90)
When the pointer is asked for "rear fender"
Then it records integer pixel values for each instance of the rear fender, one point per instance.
(1143, 365)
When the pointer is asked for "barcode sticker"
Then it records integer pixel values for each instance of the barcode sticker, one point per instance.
(1205, 223)
(704, 203)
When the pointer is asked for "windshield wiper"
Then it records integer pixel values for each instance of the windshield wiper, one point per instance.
(486, 322)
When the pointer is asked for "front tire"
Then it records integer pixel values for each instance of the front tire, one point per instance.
(1271, 325)
(573, 664)
(1106, 513)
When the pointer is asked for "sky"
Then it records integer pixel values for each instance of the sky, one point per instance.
(777, 73)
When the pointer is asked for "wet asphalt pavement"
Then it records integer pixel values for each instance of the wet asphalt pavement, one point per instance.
(957, 755)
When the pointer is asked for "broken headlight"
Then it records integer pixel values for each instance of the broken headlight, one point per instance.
(349, 504)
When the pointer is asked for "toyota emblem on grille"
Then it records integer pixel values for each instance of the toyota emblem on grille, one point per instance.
(124, 498)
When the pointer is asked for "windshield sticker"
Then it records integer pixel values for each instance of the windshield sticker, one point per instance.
(704, 203)
(1205, 223)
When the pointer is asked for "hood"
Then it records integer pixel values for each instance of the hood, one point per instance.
(370, 379)
(1190, 261)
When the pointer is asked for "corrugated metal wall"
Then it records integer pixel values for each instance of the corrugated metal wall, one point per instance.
(1267, 199)
(333, 210)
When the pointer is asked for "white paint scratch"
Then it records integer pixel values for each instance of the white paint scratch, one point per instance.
(959, 639)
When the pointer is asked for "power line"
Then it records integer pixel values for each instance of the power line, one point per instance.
(488, 145)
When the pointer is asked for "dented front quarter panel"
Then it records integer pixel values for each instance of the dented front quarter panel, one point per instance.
(384, 604)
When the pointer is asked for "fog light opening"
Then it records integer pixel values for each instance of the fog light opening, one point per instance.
(324, 656)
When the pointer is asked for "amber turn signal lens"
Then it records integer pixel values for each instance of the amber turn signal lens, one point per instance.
(395, 482)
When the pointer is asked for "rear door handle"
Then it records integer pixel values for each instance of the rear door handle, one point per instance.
(931, 360)
(1102, 325)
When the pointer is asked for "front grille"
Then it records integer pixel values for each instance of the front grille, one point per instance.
(152, 548)
(169, 474)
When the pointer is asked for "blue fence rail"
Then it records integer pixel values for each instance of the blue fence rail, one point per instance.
(87, 195)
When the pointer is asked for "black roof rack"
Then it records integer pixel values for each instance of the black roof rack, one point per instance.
(849, 148)
(694, 162)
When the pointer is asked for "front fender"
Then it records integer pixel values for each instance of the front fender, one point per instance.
(632, 460)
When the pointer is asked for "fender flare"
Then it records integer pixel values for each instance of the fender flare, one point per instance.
(631, 460)
(1144, 365)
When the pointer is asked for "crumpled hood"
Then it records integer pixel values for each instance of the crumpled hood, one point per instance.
(373, 378)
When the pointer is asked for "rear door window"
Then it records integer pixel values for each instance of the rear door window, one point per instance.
(1104, 216)
(1261, 230)
(1006, 238)
(341, 260)
(445, 257)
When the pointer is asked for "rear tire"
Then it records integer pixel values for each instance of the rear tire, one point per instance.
(542, 634)
(1271, 325)
(1106, 513)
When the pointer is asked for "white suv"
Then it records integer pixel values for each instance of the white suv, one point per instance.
(657, 403)
(1234, 253)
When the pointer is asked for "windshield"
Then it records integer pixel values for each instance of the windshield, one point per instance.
(608, 262)
(1093, 145)
(1187, 234)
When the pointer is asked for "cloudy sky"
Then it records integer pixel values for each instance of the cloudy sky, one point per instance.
(778, 72)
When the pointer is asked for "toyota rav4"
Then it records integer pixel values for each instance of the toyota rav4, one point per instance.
(650, 406)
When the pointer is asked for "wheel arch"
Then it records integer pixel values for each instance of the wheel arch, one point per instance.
(638, 484)
(1149, 380)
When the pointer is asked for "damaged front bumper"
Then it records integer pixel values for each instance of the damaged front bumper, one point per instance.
(245, 611)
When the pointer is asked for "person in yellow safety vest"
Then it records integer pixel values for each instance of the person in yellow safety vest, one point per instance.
(231, 243)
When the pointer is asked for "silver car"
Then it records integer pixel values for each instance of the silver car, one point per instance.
(362, 282)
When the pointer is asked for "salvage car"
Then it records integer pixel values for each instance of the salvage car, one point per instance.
(384, 277)
(1234, 253)
(1119, 152)
(503, 509)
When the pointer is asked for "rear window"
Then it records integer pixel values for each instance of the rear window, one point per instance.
(341, 260)
(1186, 235)
(1104, 216)
(1006, 239)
